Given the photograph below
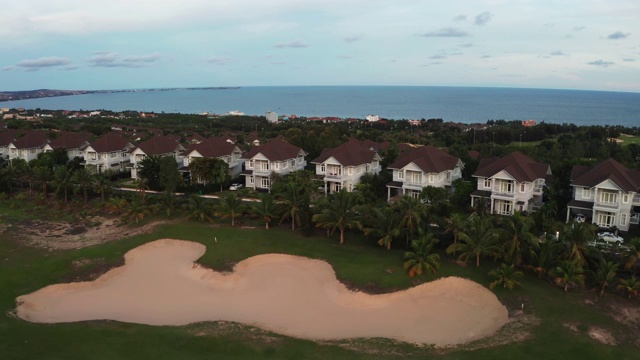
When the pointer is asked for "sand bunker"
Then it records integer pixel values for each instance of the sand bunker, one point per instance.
(290, 295)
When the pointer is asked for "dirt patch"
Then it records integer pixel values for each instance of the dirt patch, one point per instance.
(257, 337)
(61, 235)
(598, 334)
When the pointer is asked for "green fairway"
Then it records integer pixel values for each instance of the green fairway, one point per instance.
(358, 263)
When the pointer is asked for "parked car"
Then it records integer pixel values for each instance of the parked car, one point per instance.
(235, 186)
(610, 237)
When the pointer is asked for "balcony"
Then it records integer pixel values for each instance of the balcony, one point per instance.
(333, 175)
(261, 172)
(606, 205)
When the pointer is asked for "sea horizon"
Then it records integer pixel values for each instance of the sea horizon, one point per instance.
(466, 104)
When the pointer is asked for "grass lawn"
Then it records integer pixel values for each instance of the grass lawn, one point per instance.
(626, 140)
(23, 270)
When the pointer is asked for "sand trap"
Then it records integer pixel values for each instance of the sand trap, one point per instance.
(290, 295)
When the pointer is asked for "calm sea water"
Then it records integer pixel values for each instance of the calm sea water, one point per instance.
(458, 104)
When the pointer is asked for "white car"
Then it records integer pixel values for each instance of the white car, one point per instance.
(610, 237)
(236, 186)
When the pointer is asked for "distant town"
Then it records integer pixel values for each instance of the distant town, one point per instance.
(42, 93)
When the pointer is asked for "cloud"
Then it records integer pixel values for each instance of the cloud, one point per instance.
(466, 45)
(43, 62)
(629, 60)
(446, 32)
(579, 28)
(296, 44)
(344, 57)
(436, 57)
(110, 59)
(219, 60)
(352, 39)
(482, 19)
(460, 17)
(142, 58)
(485, 57)
(618, 35)
(601, 63)
(557, 53)
(7, 68)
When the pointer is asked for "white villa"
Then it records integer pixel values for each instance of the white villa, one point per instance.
(276, 156)
(73, 142)
(221, 148)
(110, 152)
(28, 146)
(155, 146)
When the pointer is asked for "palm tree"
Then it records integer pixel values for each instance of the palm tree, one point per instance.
(43, 174)
(480, 239)
(568, 274)
(230, 206)
(411, 212)
(421, 258)
(137, 209)
(576, 236)
(82, 178)
(605, 274)
(198, 208)
(457, 223)
(386, 227)
(102, 185)
(546, 257)
(339, 213)
(117, 205)
(631, 286)
(632, 254)
(506, 276)
(519, 241)
(168, 202)
(291, 202)
(265, 209)
(62, 181)
(142, 185)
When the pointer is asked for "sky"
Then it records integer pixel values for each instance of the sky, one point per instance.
(136, 44)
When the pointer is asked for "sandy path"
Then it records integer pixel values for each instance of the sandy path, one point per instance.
(286, 294)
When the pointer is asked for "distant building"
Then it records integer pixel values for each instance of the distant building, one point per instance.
(372, 118)
(528, 123)
(271, 116)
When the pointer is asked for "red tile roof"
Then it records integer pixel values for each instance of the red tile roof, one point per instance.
(428, 158)
(627, 180)
(71, 140)
(277, 149)
(518, 165)
(7, 137)
(213, 147)
(110, 142)
(32, 139)
(159, 145)
(352, 153)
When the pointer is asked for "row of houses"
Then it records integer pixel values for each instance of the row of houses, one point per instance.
(607, 194)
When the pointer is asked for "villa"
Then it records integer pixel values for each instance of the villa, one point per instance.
(221, 148)
(155, 146)
(29, 146)
(275, 157)
(109, 153)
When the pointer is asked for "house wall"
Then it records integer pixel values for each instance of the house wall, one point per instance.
(262, 168)
(114, 160)
(337, 177)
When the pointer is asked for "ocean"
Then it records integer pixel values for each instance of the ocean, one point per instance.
(452, 104)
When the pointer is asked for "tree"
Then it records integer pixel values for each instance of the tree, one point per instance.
(293, 199)
(632, 255)
(456, 224)
(199, 208)
(62, 181)
(230, 206)
(82, 179)
(519, 241)
(411, 212)
(386, 227)
(265, 209)
(606, 274)
(149, 170)
(137, 209)
(102, 185)
(169, 176)
(117, 205)
(43, 174)
(479, 239)
(339, 213)
(631, 286)
(568, 274)
(421, 258)
(220, 173)
(202, 169)
(506, 276)
(576, 236)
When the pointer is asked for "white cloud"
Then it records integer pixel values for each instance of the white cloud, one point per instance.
(618, 35)
(294, 44)
(43, 62)
(219, 60)
(482, 19)
(601, 63)
(446, 32)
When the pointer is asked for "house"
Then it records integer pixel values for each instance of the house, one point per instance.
(110, 152)
(155, 146)
(216, 147)
(6, 138)
(607, 194)
(276, 156)
(511, 183)
(28, 146)
(423, 166)
(343, 166)
(74, 142)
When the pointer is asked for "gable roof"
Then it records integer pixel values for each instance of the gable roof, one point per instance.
(159, 145)
(70, 140)
(213, 147)
(7, 137)
(351, 153)
(32, 139)
(428, 158)
(518, 165)
(276, 149)
(627, 180)
(109, 142)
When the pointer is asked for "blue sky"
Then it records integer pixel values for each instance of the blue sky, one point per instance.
(123, 44)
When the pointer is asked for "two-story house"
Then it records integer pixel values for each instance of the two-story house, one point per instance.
(607, 194)
(155, 146)
(276, 156)
(73, 142)
(216, 147)
(110, 152)
(511, 183)
(343, 166)
(28, 146)
(6, 138)
(421, 167)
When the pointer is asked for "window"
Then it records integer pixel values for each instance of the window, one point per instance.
(322, 168)
(416, 177)
(401, 174)
(625, 198)
(523, 187)
(293, 162)
(586, 193)
(337, 187)
(124, 153)
(112, 155)
(266, 182)
(285, 164)
(366, 168)
(250, 179)
(432, 178)
(608, 197)
(264, 165)
(605, 219)
(415, 194)
(277, 165)
(251, 163)
(487, 183)
(92, 156)
(349, 170)
(504, 208)
(32, 151)
(506, 187)
(623, 219)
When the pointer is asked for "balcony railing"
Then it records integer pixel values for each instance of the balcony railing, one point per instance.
(333, 175)
(508, 194)
(607, 205)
